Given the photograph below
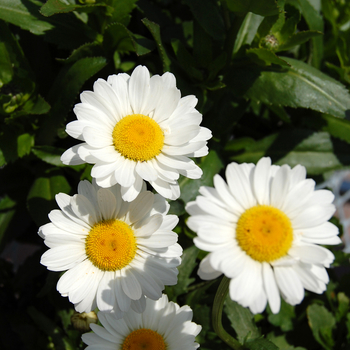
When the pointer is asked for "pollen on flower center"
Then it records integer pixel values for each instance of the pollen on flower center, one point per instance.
(265, 233)
(138, 137)
(110, 245)
(144, 339)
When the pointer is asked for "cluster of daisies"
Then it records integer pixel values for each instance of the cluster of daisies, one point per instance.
(114, 238)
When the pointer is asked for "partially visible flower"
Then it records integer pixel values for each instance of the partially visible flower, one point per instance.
(162, 326)
(261, 229)
(82, 321)
(138, 128)
(116, 252)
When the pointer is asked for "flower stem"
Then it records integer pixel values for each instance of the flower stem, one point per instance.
(219, 300)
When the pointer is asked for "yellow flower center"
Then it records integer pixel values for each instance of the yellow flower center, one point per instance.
(144, 339)
(138, 137)
(264, 233)
(110, 245)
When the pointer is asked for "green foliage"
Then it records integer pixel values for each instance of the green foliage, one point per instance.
(272, 79)
(242, 321)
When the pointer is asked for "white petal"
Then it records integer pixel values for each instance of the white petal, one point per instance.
(97, 137)
(105, 296)
(98, 103)
(71, 156)
(206, 271)
(239, 185)
(120, 87)
(181, 136)
(139, 89)
(105, 92)
(313, 216)
(280, 187)
(149, 226)
(107, 203)
(130, 193)
(131, 286)
(167, 104)
(215, 210)
(146, 171)
(271, 289)
(289, 284)
(183, 150)
(125, 175)
(262, 181)
(93, 115)
(106, 155)
(84, 209)
(226, 196)
(312, 254)
(165, 189)
(141, 206)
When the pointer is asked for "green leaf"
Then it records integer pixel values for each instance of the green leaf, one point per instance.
(282, 342)
(348, 325)
(35, 105)
(300, 85)
(25, 14)
(64, 93)
(321, 322)
(14, 143)
(6, 69)
(317, 151)
(24, 144)
(70, 32)
(315, 22)
(52, 7)
(343, 306)
(242, 320)
(202, 46)
(118, 37)
(155, 31)
(210, 165)
(7, 210)
(49, 154)
(188, 263)
(298, 39)
(260, 344)
(284, 318)
(15, 72)
(337, 127)
(41, 196)
(262, 8)
(265, 57)
(119, 10)
(208, 16)
(186, 60)
(86, 50)
(47, 325)
(247, 31)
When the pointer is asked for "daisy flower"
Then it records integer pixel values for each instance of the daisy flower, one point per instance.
(162, 326)
(262, 228)
(115, 252)
(138, 128)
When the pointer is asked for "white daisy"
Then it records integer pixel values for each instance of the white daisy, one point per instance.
(261, 229)
(115, 252)
(138, 128)
(162, 326)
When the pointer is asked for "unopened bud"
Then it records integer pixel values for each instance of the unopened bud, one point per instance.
(81, 321)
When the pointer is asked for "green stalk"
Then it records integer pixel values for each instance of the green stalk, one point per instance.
(219, 300)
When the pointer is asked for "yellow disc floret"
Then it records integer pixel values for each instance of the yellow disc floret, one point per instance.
(110, 245)
(144, 339)
(265, 233)
(138, 137)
